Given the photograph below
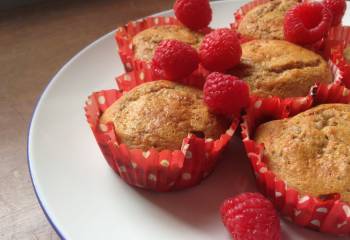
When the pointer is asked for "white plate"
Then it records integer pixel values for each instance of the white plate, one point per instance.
(84, 199)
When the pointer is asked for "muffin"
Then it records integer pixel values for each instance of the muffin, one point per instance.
(280, 68)
(160, 114)
(265, 21)
(311, 150)
(145, 42)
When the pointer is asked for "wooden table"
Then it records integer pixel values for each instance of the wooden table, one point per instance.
(35, 42)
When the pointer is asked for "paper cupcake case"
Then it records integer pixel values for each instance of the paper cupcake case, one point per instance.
(155, 170)
(329, 214)
(337, 41)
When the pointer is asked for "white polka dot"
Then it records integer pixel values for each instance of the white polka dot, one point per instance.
(303, 199)
(164, 163)
(258, 104)
(122, 169)
(103, 127)
(346, 209)
(322, 210)
(156, 20)
(128, 65)
(139, 185)
(263, 170)
(142, 76)
(167, 19)
(130, 46)
(340, 225)
(146, 154)
(209, 140)
(152, 177)
(297, 212)
(186, 176)
(316, 222)
(230, 132)
(278, 194)
(185, 147)
(171, 184)
(134, 165)
(127, 77)
(101, 100)
(345, 92)
(302, 101)
(89, 101)
(188, 154)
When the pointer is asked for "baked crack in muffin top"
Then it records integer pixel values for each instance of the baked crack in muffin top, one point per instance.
(311, 151)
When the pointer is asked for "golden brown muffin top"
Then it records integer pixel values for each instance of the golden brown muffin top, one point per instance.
(160, 114)
(311, 151)
(145, 42)
(266, 20)
(280, 68)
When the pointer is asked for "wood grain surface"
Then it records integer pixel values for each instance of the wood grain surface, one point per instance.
(35, 41)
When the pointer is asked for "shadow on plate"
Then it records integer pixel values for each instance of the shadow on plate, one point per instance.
(199, 205)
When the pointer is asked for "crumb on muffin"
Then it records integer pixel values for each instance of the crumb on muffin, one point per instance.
(160, 114)
(311, 151)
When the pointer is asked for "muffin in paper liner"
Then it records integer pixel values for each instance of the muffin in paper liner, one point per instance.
(125, 34)
(327, 214)
(244, 9)
(164, 170)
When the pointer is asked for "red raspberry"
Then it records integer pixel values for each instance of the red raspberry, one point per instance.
(220, 50)
(337, 8)
(225, 94)
(195, 14)
(250, 216)
(173, 60)
(307, 23)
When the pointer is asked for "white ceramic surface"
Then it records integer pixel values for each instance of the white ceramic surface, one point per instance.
(84, 199)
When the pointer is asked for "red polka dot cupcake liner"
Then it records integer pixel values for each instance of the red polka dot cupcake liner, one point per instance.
(154, 170)
(337, 41)
(329, 214)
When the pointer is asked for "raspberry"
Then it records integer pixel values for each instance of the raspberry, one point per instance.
(173, 60)
(337, 8)
(220, 50)
(250, 216)
(225, 94)
(195, 14)
(307, 23)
